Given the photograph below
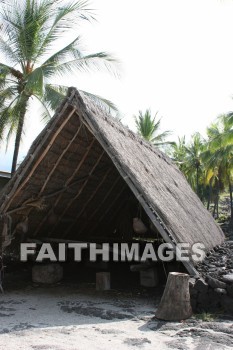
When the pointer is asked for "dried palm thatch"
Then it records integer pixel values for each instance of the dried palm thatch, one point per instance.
(85, 166)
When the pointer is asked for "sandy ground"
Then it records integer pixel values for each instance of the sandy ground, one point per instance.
(67, 317)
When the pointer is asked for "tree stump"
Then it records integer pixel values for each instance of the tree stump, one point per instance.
(175, 303)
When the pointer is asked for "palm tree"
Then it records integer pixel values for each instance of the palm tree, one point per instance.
(219, 154)
(29, 35)
(214, 183)
(193, 161)
(148, 127)
(179, 153)
(187, 156)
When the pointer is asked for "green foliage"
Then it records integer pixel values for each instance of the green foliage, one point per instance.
(31, 31)
(206, 317)
(148, 127)
(208, 164)
(219, 154)
(187, 156)
(222, 218)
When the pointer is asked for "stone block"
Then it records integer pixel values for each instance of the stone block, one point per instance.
(47, 273)
(149, 278)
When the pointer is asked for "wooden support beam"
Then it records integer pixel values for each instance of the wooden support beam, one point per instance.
(16, 189)
(117, 209)
(67, 241)
(109, 208)
(59, 159)
(67, 184)
(88, 201)
(79, 192)
(54, 194)
(81, 162)
(101, 203)
(52, 240)
(76, 170)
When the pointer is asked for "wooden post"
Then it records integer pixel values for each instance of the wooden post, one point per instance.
(102, 280)
(175, 302)
(149, 278)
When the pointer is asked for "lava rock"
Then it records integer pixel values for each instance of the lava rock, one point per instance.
(228, 278)
(203, 299)
(214, 283)
(220, 291)
(192, 282)
(201, 285)
(227, 303)
(230, 290)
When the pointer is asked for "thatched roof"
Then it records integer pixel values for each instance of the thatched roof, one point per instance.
(80, 171)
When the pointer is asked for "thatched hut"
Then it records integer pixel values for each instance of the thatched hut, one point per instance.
(86, 177)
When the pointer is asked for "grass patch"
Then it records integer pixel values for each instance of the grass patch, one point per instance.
(206, 317)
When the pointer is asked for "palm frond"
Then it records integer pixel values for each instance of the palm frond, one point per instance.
(50, 65)
(148, 127)
(7, 114)
(35, 83)
(7, 94)
(159, 138)
(97, 61)
(45, 115)
(7, 51)
(53, 95)
(65, 18)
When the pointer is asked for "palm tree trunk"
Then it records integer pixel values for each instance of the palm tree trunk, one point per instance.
(214, 207)
(19, 133)
(209, 197)
(197, 180)
(231, 199)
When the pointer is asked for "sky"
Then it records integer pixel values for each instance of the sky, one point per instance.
(176, 58)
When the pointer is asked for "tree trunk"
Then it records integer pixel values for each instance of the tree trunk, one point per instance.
(175, 303)
(231, 199)
(19, 133)
(214, 208)
(209, 198)
(197, 180)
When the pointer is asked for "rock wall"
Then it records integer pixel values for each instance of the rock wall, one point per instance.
(213, 291)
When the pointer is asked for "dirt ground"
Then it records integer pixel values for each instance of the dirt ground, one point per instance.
(75, 317)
